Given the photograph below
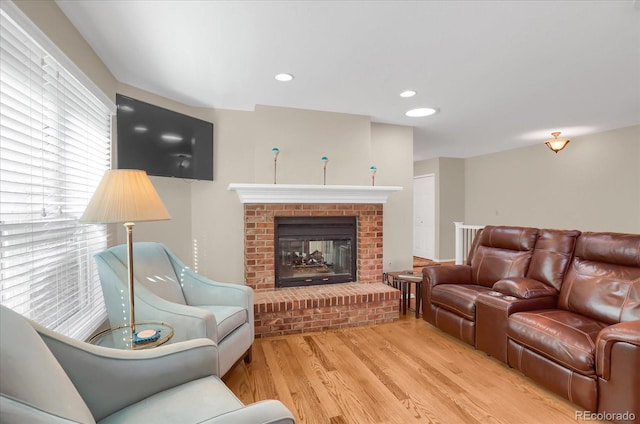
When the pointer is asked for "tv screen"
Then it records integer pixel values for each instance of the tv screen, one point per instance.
(163, 142)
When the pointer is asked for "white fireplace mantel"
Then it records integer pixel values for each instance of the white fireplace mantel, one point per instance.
(297, 193)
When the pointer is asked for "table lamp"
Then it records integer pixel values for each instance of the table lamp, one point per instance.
(125, 196)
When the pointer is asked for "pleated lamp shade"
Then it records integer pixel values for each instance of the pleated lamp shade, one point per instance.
(124, 195)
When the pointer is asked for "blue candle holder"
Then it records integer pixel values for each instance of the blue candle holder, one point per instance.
(276, 152)
(324, 160)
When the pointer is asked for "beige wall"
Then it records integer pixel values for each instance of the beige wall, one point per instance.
(392, 154)
(592, 185)
(449, 200)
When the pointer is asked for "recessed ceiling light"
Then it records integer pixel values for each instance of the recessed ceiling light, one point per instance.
(421, 112)
(408, 93)
(284, 77)
(140, 129)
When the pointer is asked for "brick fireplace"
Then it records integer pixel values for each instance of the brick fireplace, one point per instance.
(314, 308)
(260, 246)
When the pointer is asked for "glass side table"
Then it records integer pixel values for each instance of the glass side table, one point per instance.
(120, 337)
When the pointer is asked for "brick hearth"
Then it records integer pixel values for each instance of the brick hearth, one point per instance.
(313, 308)
(317, 308)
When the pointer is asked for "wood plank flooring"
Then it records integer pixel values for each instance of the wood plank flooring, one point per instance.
(403, 372)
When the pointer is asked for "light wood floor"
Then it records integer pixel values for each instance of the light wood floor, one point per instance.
(404, 372)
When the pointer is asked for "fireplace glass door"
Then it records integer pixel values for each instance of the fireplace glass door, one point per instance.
(312, 251)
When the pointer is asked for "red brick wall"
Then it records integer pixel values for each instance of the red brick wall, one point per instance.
(259, 238)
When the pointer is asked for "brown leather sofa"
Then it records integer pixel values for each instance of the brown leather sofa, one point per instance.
(566, 313)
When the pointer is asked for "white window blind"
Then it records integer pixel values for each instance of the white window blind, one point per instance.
(54, 149)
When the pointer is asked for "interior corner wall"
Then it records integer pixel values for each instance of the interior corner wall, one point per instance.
(591, 185)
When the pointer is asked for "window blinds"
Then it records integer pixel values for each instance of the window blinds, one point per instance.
(54, 149)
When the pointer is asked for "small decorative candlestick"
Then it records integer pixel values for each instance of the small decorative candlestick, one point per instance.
(324, 168)
(373, 170)
(276, 152)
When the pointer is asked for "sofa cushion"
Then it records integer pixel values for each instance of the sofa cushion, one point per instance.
(458, 298)
(552, 255)
(601, 285)
(561, 336)
(502, 252)
(228, 318)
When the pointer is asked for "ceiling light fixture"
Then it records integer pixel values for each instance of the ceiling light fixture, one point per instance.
(284, 77)
(556, 144)
(421, 112)
(408, 93)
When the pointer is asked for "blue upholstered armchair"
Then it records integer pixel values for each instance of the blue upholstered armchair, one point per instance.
(46, 377)
(167, 290)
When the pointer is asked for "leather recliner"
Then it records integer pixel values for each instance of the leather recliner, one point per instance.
(587, 349)
(450, 292)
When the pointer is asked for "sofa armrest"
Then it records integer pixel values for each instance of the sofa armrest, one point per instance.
(264, 412)
(456, 274)
(524, 288)
(624, 332)
(128, 376)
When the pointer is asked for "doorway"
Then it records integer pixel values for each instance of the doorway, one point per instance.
(424, 216)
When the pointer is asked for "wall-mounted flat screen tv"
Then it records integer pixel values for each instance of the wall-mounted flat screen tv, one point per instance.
(163, 142)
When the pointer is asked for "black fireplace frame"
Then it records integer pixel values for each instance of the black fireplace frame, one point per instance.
(320, 228)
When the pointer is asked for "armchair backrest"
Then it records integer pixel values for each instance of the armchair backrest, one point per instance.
(33, 385)
(603, 281)
(151, 268)
(502, 252)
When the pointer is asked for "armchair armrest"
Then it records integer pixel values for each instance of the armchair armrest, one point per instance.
(625, 332)
(264, 412)
(188, 322)
(199, 290)
(456, 274)
(128, 376)
(524, 288)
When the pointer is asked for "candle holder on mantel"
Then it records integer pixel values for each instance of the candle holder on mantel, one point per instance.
(324, 160)
(276, 152)
(373, 170)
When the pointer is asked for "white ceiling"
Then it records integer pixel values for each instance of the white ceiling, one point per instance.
(504, 74)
